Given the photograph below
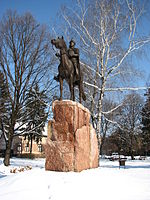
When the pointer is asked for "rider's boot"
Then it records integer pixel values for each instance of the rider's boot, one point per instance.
(56, 78)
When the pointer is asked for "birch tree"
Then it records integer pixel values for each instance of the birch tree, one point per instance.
(107, 31)
(24, 58)
(106, 126)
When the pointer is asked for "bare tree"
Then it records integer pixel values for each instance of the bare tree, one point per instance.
(4, 104)
(107, 33)
(24, 59)
(130, 121)
(106, 121)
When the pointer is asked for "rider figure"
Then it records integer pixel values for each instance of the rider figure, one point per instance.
(73, 54)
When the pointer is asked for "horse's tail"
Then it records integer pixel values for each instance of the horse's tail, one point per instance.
(81, 85)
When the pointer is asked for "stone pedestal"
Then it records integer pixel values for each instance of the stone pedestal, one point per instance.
(72, 143)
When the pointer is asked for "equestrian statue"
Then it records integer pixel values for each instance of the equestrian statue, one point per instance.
(69, 67)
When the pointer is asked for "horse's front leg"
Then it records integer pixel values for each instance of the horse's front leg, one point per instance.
(61, 87)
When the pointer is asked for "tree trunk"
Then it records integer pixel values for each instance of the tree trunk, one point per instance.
(131, 147)
(100, 103)
(31, 144)
(132, 154)
(8, 152)
(94, 93)
(99, 124)
(101, 145)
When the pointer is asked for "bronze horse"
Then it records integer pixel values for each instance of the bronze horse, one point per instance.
(67, 71)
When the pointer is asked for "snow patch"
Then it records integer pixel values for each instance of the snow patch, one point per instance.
(106, 182)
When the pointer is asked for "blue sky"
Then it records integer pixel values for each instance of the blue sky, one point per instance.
(46, 11)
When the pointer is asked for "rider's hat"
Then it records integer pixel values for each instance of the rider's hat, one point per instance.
(72, 41)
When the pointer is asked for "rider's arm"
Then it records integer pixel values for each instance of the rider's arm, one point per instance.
(74, 54)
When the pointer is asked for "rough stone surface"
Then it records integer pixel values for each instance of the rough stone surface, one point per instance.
(59, 156)
(93, 149)
(82, 149)
(72, 142)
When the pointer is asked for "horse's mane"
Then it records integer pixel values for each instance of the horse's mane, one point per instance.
(65, 46)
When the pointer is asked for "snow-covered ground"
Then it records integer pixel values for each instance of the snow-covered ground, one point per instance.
(107, 182)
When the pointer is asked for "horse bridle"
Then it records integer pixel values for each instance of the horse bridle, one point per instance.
(60, 50)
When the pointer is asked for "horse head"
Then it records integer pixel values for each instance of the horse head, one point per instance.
(59, 43)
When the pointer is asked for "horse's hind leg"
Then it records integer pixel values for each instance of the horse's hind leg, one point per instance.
(80, 90)
(71, 89)
(61, 87)
(73, 94)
